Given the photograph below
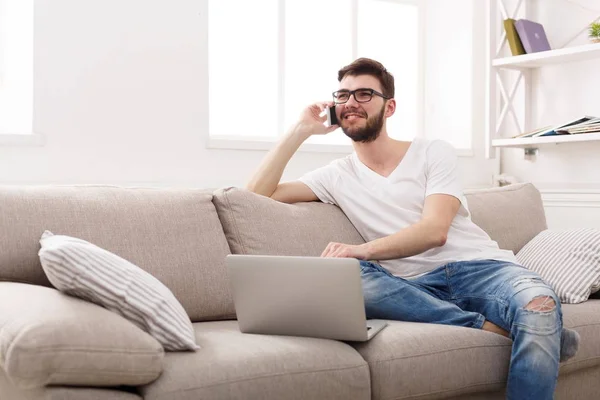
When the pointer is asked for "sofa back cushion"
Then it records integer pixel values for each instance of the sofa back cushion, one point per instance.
(256, 224)
(174, 234)
(511, 215)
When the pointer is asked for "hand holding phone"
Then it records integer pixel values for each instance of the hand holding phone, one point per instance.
(316, 119)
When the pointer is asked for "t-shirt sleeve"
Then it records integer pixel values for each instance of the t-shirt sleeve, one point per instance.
(442, 171)
(322, 182)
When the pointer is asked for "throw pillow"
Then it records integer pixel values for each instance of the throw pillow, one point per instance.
(568, 260)
(84, 270)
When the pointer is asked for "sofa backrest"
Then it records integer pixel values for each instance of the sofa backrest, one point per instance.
(181, 236)
(174, 234)
(256, 224)
(512, 215)
(253, 224)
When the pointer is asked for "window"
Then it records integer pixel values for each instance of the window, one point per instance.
(286, 56)
(450, 73)
(243, 68)
(16, 66)
(313, 57)
(389, 32)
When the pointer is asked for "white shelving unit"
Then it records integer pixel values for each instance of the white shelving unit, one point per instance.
(524, 65)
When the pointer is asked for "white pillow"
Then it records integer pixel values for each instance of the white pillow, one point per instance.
(568, 260)
(84, 270)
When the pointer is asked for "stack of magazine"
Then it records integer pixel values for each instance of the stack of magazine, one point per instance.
(585, 124)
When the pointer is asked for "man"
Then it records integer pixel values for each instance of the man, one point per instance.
(434, 264)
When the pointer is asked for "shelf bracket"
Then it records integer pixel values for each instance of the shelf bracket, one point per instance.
(530, 153)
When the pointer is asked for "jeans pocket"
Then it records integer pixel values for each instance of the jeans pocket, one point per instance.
(367, 267)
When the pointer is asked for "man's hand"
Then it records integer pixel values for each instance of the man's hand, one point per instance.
(312, 123)
(341, 250)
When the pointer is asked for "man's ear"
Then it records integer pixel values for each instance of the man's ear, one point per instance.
(390, 108)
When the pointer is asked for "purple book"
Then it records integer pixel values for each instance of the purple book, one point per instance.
(532, 36)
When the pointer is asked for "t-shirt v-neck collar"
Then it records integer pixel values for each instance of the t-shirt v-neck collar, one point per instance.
(374, 175)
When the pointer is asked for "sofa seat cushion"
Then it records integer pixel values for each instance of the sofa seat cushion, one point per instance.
(255, 224)
(585, 319)
(233, 365)
(408, 360)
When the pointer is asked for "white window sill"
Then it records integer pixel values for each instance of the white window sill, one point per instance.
(15, 139)
(268, 144)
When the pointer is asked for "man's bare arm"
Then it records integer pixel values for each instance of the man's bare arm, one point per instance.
(265, 180)
(269, 172)
(431, 231)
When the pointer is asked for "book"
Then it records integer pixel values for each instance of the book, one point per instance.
(516, 47)
(529, 133)
(532, 35)
(561, 129)
(584, 130)
(585, 124)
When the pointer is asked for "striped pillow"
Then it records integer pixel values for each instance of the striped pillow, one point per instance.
(84, 270)
(569, 261)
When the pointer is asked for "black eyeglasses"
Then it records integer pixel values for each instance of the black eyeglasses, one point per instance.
(362, 95)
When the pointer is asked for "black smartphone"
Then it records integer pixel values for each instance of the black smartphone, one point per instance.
(331, 117)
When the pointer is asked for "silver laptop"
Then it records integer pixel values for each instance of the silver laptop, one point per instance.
(300, 296)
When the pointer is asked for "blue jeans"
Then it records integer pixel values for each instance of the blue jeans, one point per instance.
(467, 294)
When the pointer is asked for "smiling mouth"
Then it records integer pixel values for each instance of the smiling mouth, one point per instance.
(352, 116)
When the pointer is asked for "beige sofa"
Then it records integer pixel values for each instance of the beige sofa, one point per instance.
(181, 236)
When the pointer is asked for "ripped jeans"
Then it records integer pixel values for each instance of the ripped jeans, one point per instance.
(467, 294)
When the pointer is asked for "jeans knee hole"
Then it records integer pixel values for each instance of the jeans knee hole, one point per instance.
(541, 304)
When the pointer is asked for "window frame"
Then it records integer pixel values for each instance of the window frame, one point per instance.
(21, 138)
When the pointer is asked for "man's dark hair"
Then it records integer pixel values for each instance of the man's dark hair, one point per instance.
(366, 66)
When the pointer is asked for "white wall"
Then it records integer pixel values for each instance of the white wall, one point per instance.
(121, 98)
(568, 174)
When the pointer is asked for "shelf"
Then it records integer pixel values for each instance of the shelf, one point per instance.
(542, 58)
(554, 139)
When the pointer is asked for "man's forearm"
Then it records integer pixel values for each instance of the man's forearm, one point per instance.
(408, 242)
(267, 177)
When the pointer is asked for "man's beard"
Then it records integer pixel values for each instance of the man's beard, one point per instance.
(367, 134)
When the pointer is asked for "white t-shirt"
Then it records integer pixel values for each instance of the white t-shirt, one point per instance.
(380, 206)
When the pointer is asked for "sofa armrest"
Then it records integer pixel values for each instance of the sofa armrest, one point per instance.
(47, 337)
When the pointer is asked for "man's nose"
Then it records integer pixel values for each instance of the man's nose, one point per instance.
(352, 103)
